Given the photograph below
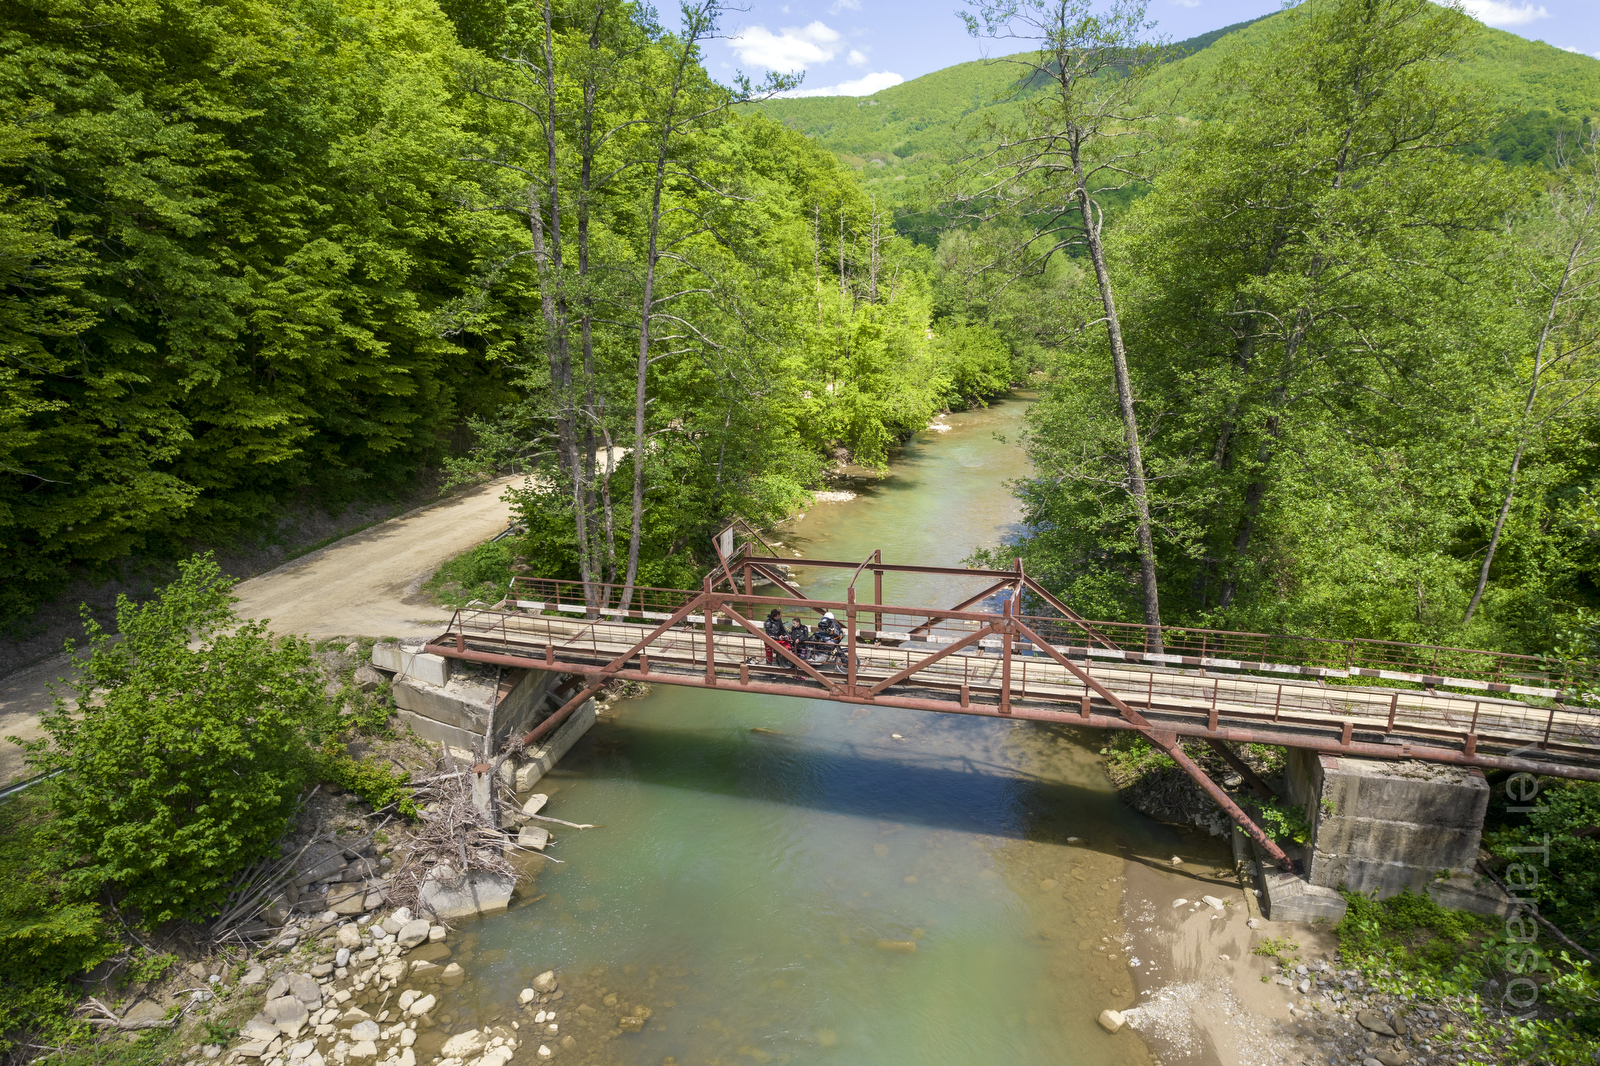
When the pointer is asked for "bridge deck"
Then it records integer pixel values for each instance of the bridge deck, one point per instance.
(981, 678)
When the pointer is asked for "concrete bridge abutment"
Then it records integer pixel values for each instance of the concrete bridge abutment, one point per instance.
(1383, 827)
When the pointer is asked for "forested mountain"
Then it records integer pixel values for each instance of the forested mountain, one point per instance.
(901, 137)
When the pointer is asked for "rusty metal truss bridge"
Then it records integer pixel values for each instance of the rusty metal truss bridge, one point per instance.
(1373, 699)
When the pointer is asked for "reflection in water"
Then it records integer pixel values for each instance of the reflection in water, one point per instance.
(787, 880)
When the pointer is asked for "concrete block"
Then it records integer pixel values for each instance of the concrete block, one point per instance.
(406, 659)
(1287, 898)
(457, 713)
(1468, 893)
(539, 761)
(476, 893)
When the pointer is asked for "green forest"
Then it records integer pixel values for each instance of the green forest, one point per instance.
(269, 251)
(272, 251)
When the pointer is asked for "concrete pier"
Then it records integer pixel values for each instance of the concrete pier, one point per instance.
(1383, 827)
(449, 702)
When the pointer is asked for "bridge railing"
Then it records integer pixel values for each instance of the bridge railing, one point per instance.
(1357, 659)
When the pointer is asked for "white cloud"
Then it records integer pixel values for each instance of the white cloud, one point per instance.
(856, 58)
(1500, 13)
(844, 5)
(791, 49)
(865, 85)
(1187, 3)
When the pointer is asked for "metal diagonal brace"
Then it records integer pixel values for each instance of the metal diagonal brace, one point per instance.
(1241, 768)
(964, 604)
(1167, 742)
(561, 713)
(923, 664)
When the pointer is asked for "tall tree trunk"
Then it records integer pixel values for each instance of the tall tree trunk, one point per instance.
(1522, 441)
(1130, 423)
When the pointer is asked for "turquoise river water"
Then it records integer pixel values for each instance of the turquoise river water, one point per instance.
(785, 880)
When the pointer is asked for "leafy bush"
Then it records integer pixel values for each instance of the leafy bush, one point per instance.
(47, 936)
(184, 760)
(480, 574)
(378, 784)
(1566, 816)
(1285, 822)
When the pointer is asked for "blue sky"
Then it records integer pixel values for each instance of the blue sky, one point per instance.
(857, 47)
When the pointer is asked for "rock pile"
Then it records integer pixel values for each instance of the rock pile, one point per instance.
(318, 1018)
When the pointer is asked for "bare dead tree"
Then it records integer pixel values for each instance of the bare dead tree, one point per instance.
(1573, 240)
(1079, 134)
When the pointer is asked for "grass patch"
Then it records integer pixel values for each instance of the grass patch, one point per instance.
(481, 574)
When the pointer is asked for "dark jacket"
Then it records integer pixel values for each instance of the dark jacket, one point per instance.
(774, 628)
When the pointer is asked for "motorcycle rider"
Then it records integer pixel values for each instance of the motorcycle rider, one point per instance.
(829, 629)
(799, 633)
(774, 629)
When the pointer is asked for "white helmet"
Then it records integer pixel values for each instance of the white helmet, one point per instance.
(829, 616)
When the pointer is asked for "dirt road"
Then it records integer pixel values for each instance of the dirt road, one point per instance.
(367, 584)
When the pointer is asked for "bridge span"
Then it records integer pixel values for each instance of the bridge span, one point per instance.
(985, 656)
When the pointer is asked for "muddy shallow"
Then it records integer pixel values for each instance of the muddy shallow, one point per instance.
(786, 880)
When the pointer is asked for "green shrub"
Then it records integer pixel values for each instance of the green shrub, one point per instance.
(480, 574)
(186, 759)
(379, 784)
(1566, 814)
(978, 363)
(47, 936)
(1284, 822)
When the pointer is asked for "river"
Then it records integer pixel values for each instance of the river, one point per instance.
(792, 880)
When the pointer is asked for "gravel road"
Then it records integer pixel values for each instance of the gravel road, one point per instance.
(367, 584)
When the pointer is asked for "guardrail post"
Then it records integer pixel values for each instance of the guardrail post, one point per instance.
(1005, 658)
(850, 640)
(877, 593)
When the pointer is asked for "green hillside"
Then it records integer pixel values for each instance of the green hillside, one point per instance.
(907, 132)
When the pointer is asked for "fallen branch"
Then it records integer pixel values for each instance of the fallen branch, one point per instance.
(1541, 919)
(558, 821)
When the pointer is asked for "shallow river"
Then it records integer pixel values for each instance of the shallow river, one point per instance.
(761, 891)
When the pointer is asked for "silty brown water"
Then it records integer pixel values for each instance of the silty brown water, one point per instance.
(784, 880)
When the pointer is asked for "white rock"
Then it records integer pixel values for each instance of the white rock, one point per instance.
(408, 1057)
(412, 933)
(408, 1037)
(367, 1030)
(535, 803)
(1111, 1020)
(1179, 902)
(422, 1006)
(536, 837)
(464, 1045)
(1176, 861)
(1212, 901)
(408, 997)
(349, 936)
(545, 1052)
(545, 982)
(301, 1050)
(437, 933)
(364, 1049)
(527, 996)
(538, 1019)
(341, 958)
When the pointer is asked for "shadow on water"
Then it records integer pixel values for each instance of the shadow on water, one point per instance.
(873, 780)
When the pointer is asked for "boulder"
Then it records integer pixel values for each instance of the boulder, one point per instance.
(350, 935)
(329, 869)
(527, 996)
(280, 987)
(1374, 1022)
(422, 1006)
(341, 958)
(254, 975)
(364, 1049)
(347, 900)
(261, 1028)
(545, 982)
(289, 1013)
(533, 836)
(1392, 1056)
(376, 896)
(453, 975)
(392, 969)
(367, 1030)
(412, 933)
(277, 912)
(476, 893)
(425, 970)
(305, 988)
(465, 1045)
(437, 951)
(322, 969)
(366, 679)
(1111, 1020)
